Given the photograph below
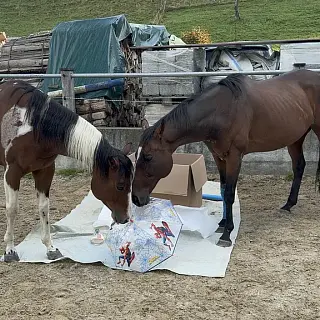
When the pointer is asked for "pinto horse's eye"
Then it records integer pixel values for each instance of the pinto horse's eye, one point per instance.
(120, 187)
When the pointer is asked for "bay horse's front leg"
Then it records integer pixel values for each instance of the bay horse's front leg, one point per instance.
(43, 179)
(11, 181)
(233, 165)
(221, 165)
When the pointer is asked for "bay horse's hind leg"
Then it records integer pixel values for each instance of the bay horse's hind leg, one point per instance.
(43, 179)
(298, 166)
(11, 182)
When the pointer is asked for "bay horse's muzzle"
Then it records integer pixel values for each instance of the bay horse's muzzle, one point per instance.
(140, 201)
(119, 220)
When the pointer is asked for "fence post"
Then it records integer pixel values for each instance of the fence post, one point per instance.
(68, 89)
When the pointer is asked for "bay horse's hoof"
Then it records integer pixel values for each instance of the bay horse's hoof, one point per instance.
(224, 243)
(220, 230)
(285, 209)
(11, 256)
(53, 255)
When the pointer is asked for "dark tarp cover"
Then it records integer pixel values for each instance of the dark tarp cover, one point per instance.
(93, 46)
(88, 46)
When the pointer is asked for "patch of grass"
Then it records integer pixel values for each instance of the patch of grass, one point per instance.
(69, 172)
(260, 19)
(28, 176)
(289, 176)
(22, 17)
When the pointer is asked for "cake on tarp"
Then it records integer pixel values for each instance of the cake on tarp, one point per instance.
(148, 239)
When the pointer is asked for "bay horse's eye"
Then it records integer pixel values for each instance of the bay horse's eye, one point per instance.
(147, 157)
(120, 187)
(148, 175)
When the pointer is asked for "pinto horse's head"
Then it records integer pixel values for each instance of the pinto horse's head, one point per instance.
(153, 162)
(111, 181)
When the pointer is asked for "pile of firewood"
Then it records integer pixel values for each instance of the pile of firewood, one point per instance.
(26, 54)
(130, 111)
(98, 111)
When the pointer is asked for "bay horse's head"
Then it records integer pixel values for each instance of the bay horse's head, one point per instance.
(112, 179)
(153, 162)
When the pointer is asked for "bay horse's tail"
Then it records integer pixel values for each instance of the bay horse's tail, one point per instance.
(318, 171)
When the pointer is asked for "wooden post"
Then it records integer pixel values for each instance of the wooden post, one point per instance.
(68, 89)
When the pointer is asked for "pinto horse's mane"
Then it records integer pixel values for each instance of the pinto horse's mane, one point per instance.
(179, 115)
(56, 125)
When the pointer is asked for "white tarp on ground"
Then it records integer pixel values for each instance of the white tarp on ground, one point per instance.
(196, 251)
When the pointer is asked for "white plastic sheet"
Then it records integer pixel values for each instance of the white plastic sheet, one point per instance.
(196, 251)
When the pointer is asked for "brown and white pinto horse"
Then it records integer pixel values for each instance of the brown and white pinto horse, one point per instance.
(34, 131)
(234, 117)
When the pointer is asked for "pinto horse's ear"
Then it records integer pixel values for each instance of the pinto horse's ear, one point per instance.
(159, 131)
(145, 124)
(127, 148)
(114, 163)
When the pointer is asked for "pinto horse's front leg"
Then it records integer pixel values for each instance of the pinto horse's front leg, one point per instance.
(11, 181)
(233, 165)
(43, 179)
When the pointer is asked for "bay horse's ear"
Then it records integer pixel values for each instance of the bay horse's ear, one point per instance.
(114, 163)
(127, 148)
(158, 132)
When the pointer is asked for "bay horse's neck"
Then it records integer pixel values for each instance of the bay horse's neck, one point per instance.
(199, 118)
(192, 128)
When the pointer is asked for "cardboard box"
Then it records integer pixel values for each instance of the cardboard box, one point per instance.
(184, 184)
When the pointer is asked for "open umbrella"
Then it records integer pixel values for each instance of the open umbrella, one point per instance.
(148, 239)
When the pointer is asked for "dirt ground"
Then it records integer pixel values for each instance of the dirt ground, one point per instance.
(274, 271)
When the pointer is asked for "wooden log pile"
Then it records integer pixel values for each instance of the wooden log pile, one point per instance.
(26, 54)
(133, 111)
(99, 112)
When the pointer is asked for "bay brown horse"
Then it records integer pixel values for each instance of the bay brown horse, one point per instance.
(234, 117)
(34, 131)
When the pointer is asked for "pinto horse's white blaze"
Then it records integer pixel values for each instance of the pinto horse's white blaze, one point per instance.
(44, 221)
(138, 154)
(83, 141)
(12, 207)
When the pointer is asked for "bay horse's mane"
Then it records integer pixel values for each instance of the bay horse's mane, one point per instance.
(54, 124)
(179, 115)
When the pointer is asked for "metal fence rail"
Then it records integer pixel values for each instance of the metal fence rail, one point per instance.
(68, 89)
(227, 44)
(146, 75)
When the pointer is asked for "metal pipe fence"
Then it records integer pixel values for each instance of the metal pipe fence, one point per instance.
(68, 89)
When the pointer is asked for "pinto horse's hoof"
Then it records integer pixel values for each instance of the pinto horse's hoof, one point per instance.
(54, 255)
(224, 243)
(11, 256)
(220, 230)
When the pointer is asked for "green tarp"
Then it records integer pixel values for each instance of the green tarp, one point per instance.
(93, 46)
(88, 46)
(149, 35)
